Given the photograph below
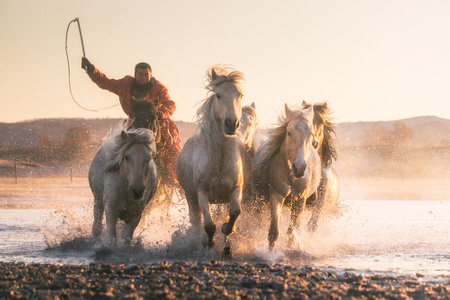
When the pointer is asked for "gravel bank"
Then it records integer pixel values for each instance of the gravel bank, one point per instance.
(206, 280)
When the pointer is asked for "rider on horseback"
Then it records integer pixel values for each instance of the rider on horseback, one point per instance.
(143, 85)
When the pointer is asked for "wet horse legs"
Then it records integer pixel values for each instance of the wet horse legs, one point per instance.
(194, 211)
(297, 208)
(208, 224)
(98, 217)
(229, 227)
(111, 222)
(131, 227)
(275, 206)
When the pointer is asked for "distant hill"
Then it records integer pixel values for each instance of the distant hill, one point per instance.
(427, 130)
(365, 148)
(26, 134)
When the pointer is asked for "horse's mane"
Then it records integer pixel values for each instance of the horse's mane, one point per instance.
(249, 110)
(223, 74)
(322, 117)
(204, 115)
(275, 138)
(121, 142)
(252, 144)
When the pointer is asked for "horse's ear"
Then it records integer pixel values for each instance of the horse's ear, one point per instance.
(123, 135)
(309, 113)
(288, 111)
(133, 101)
(252, 105)
(214, 74)
(306, 104)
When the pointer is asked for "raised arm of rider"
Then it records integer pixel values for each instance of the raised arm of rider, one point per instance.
(86, 63)
(166, 106)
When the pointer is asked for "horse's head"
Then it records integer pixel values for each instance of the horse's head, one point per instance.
(137, 150)
(226, 100)
(324, 132)
(299, 138)
(145, 114)
(321, 112)
(248, 125)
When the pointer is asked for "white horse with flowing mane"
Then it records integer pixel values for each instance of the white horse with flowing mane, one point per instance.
(287, 169)
(123, 179)
(213, 166)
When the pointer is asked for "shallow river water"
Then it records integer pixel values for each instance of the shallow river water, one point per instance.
(49, 222)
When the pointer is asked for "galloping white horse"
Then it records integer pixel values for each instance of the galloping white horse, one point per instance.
(213, 166)
(123, 179)
(287, 169)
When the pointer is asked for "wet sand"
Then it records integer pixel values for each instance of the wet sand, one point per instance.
(207, 280)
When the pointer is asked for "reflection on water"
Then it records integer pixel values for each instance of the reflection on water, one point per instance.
(397, 236)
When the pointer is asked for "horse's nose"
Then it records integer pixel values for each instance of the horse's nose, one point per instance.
(298, 171)
(231, 126)
(136, 192)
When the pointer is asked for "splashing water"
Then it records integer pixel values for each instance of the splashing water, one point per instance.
(378, 235)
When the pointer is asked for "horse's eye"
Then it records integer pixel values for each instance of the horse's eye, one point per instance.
(126, 157)
(288, 133)
(218, 96)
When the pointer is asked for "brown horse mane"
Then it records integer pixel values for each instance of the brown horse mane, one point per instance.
(322, 117)
(144, 112)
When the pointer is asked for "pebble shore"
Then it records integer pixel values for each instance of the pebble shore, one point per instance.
(206, 280)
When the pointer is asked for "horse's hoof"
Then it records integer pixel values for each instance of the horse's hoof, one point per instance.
(227, 229)
(207, 243)
(227, 253)
(312, 227)
(103, 252)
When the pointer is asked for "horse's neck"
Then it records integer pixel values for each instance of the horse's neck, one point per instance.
(251, 140)
(320, 151)
(280, 157)
(220, 146)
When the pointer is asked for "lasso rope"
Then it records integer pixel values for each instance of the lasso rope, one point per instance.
(68, 68)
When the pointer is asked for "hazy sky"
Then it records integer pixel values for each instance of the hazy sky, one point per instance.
(372, 60)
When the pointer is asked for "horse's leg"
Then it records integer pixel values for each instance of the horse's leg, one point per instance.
(169, 190)
(98, 217)
(322, 191)
(297, 208)
(194, 212)
(111, 222)
(275, 202)
(131, 227)
(234, 211)
(208, 224)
